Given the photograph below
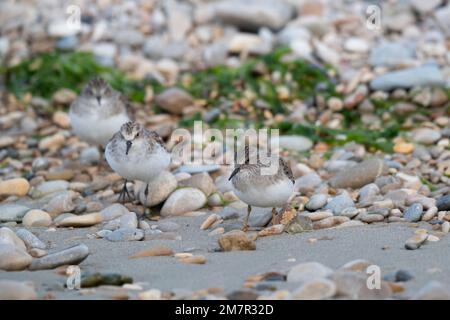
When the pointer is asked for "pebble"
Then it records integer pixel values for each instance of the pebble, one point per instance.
(359, 175)
(350, 212)
(316, 289)
(316, 202)
(143, 225)
(128, 221)
(193, 169)
(37, 218)
(31, 241)
(201, 181)
(113, 211)
(12, 212)
(193, 260)
(13, 258)
(272, 230)
(339, 203)
(425, 135)
(399, 276)
(358, 45)
(168, 226)
(432, 238)
(60, 28)
(70, 256)
(85, 220)
(445, 227)
(153, 252)
(159, 189)
(351, 223)
(125, 235)
(236, 240)
(216, 232)
(295, 143)
(368, 194)
(308, 271)
(67, 43)
(356, 265)
(416, 241)
(61, 119)
(254, 14)
(443, 203)
(182, 201)
(212, 219)
(37, 253)
(308, 182)
(215, 200)
(430, 214)
(103, 233)
(49, 187)
(14, 187)
(39, 164)
(60, 175)
(174, 100)
(90, 280)
(90, 156)
(427, 75)
(353, 285)
(152, 294)
(52, 143)
(414, 212)
(17, 290)
(433, 290)
(404, 147)
(391, 54)
(318, 215)
(371, 217)
(60, 203)
(329, 222)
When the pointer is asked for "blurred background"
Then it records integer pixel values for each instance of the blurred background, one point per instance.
(303, 66)
(360, 91)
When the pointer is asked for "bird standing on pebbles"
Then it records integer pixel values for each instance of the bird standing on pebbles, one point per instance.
(98, 112)
(256, 189)
(136, 153)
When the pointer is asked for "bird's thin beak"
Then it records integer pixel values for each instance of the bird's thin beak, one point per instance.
(129, 143)
(99, 99)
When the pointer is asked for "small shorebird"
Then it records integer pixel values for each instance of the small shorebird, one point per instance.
(256, 189)
(136, 153)
(98, 112)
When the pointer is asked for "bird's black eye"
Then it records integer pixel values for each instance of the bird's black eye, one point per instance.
(137, 135)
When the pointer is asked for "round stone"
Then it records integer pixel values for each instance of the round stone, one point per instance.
(37, 218)
(14, 187)
(414, 212)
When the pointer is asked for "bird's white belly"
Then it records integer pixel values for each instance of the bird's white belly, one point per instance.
(275, 195)
(139, 168)
(96, 130)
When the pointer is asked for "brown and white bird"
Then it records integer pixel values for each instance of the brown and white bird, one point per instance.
(136, 153)
(261, 190)
(98, 112)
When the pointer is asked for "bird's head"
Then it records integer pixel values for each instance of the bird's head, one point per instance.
(98, 89)
(131, 133)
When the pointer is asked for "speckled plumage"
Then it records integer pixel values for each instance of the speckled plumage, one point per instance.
(98, 112)
(144, 159)
(261, 190)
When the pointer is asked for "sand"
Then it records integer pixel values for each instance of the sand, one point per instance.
(382, 244)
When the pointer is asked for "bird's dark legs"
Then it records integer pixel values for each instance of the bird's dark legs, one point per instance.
(124, 193)
(146, 192)
(145, 202)
(249, 210)
(274, 214)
